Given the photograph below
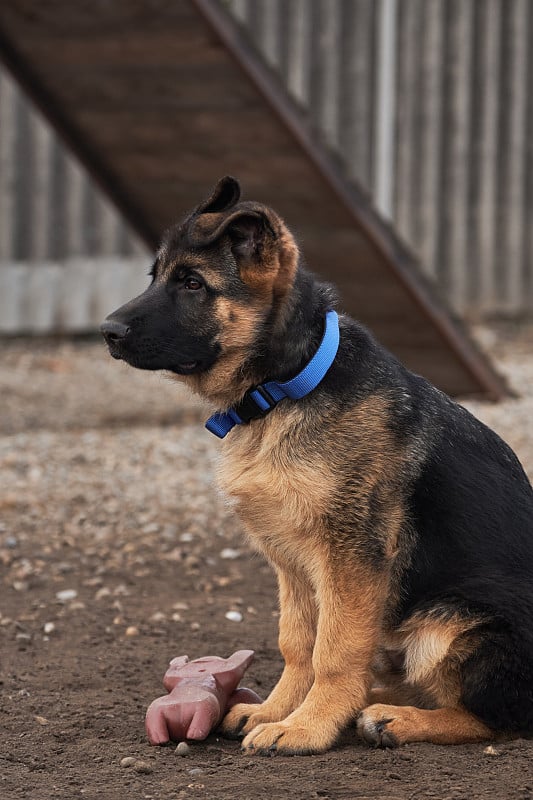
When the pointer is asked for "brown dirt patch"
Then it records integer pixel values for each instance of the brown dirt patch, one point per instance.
(126, 518)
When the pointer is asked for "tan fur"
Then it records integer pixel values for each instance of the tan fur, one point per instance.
(278, 260)
(347, 629)
(363, 440)
(297, 633)
(225, 382)
(433, 647)
(283, 497)
(394, 725)
(279, 498)
(283, 491)
(425, 648)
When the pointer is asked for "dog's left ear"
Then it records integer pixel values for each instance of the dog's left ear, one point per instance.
(247, 231)
(248, 228)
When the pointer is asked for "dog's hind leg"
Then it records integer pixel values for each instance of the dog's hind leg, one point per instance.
(477, 674)
(398, 693)
(390, 726)
(431, 679)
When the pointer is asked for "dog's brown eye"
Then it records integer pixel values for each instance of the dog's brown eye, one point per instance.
(193, 284)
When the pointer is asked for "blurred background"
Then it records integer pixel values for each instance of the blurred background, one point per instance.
(396, 139)
(425, 102)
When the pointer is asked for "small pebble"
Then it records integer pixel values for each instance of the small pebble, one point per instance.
(195, 626)
(132, 630)
(230, 553)
(234, 616)
(152, 527)
(129, 761)
(49, 627)
(142, 767)
(169, 532)
(66, 594)
(491, 751)
(41, 720)
(182, 749)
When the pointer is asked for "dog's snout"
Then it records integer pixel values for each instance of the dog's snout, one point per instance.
(114, 331)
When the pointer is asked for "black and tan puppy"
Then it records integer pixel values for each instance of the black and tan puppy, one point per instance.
(400, 527)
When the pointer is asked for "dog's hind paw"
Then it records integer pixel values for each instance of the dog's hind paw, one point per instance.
(376, 726)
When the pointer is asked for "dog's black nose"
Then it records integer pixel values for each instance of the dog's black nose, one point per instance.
(114, 331)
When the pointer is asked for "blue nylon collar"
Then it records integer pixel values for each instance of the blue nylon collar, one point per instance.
(260, 400)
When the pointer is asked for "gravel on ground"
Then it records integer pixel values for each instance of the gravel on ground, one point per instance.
(117, 553)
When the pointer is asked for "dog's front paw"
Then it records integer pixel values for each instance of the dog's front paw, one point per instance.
(243, 717)
(232, 726)
(286, 738)
(379, 726)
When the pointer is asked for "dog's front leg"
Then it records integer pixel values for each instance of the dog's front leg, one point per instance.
(350, 603)
(297, 631)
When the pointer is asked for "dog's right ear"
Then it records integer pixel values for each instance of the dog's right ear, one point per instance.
(225, 195)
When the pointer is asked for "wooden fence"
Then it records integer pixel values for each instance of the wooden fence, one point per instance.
(427, 102)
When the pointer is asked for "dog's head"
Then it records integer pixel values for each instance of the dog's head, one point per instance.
(219, 277)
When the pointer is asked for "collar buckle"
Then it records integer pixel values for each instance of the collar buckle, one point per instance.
(256, 403)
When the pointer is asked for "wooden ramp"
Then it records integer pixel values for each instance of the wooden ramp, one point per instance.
(159, 99)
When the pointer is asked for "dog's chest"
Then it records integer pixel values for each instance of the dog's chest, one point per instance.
(280, 494)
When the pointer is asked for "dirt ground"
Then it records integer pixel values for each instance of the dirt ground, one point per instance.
(116, 554)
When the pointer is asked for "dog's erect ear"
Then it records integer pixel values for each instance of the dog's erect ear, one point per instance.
(225, 195)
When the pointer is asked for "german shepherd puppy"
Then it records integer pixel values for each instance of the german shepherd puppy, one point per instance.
(400, 527)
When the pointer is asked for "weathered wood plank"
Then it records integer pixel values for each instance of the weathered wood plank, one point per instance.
(223, 112)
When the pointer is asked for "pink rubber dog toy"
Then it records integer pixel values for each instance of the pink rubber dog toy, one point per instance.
(201, 692)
